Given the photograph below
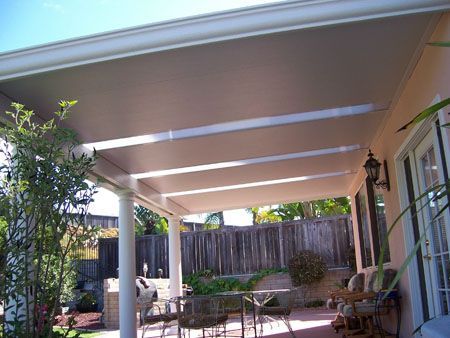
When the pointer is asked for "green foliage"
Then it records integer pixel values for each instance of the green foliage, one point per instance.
(438, 193)
(148, 222)
(75, 333)
(306, 268)
(260, 275)
(214, 220)
(426, 113)
(87, 302)
(209, 226)
(313, 209)
(204, 283)
(44, 198)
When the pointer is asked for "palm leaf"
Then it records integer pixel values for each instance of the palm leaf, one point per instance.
(412, 253)
(439, 43)
(396, 221)
(426, 113)
(418, 243)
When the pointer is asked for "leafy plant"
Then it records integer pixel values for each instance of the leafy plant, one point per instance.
(44, 197)
(148, 222)
(439, 192)
(196, 281)
(312, 209)
(214, 220)
(87, 303)
(306, 268)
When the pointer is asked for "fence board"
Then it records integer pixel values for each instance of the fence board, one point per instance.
(238, 250)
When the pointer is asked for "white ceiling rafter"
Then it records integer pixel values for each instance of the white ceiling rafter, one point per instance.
(258, 184)
(241, 125)
(237, 163)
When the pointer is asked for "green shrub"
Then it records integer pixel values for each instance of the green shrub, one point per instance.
(215, 285)
(306, 268)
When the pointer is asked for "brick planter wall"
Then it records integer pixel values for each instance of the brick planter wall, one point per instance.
(111, 300)
(317, 291)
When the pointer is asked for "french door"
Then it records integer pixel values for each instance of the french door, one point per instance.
(429, 169)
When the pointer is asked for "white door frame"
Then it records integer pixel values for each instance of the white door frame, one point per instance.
(407, 150)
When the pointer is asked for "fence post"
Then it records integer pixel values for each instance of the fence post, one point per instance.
(281, 243)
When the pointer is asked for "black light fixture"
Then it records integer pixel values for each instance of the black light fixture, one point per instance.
(372, 167)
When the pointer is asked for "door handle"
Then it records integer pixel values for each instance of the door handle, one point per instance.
(429, 257)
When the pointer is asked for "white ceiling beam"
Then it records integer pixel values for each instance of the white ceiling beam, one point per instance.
(240, 125)
(257, 184)
(253, 21)
(248, 161)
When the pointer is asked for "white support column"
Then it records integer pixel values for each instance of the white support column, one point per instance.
(127, 266)
(175, 257)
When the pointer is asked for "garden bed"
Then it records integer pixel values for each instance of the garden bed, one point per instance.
(84, 321)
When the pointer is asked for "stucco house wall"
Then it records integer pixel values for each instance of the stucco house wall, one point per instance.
(430, 78)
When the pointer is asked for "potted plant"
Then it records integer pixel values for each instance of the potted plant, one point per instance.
(87, 303)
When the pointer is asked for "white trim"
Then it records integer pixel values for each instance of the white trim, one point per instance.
(253, 21)
(415, 136)
(413, 271)
(238, 125)
(248, 161)
(257, 184)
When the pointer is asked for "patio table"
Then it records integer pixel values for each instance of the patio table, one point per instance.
(243, 296)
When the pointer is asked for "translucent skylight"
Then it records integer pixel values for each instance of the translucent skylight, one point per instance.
(230, 164)
(232, 126)
(256, 184)
(31, 23)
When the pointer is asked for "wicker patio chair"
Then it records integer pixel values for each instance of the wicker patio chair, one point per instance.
(152, 314)
(367, 305)
(336, 300)
(206, 313)
(283, 302)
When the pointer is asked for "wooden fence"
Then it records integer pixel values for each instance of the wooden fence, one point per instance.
(238, 250)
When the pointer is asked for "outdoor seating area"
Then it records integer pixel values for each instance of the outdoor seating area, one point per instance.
(256, 161)
(360, 311)
(305, 323)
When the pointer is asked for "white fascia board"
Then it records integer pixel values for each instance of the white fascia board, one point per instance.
(258, 20)
(116, 177)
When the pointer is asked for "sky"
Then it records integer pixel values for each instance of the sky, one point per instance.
(107, 203)
(25, 23)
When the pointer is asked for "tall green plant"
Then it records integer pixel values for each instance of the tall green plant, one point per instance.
(149, 222)
(44, 197)
(438, 192)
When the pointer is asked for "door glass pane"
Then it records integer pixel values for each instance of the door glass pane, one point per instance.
(381, 223)
(438, 240)
(364, 227)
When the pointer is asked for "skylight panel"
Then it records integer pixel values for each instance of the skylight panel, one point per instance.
(233, 126)
(256, 184)
(257, 160)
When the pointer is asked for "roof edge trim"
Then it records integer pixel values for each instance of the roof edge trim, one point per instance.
(253, 21)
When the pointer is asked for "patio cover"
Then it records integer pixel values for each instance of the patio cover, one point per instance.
(270, 104)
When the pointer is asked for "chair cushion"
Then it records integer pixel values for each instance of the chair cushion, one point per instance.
(356, 283)
(340, 307)
(365, 307)
(274, 311)
(200, 321)
(331, 305)
(165, 317)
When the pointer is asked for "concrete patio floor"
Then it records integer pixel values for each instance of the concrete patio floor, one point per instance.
(305, 323)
